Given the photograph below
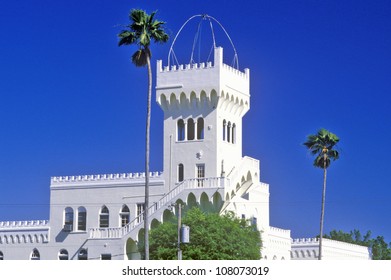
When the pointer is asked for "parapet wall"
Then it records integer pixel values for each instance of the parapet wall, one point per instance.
(103, 178)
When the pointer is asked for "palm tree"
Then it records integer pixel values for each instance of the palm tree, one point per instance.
(322, 145)
(144, 28)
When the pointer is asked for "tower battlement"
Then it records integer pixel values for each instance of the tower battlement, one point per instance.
(204, 82)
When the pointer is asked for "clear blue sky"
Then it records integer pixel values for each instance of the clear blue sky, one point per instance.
(73, 104)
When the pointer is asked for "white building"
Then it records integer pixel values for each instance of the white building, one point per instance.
(99, 216)
(308, 249)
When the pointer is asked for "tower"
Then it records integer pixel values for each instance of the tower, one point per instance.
(203, 108)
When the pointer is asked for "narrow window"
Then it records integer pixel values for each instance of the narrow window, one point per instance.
(1, 256)
(68, 219)
(200, 174)
(224, 130)
(180, 172)
(35, 255)
(124, 216)
(190, 129)
(200, 128)
(181, 130)
(83, 255)
(140, 212)
(104, 217)
(81, 219)
(229, 132)
(233, 134)
(105, 257)
(63, 255)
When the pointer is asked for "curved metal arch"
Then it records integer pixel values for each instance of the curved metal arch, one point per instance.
(203, 17)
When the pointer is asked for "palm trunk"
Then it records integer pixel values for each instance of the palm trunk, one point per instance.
(147, 138)
(322, 210)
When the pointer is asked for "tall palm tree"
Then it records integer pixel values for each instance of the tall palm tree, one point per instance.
(322, 145)
(144, 28)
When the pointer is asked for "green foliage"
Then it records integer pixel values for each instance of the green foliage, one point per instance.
(322, 145)
(212, 237)
(142, 29)
(380, 249)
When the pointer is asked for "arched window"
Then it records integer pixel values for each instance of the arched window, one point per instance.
(83, 255)
(35, 255)
(81, 219)
(180, 172)
(181, 130)
(233, 134)
(68, 219)
(124, 216)
(224, 130)
(1, 256)
(200, 128)
(229, 132)
(104, 217)
(63, 255)
(190, 129)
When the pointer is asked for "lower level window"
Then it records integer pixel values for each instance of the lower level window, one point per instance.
(35, 255)
(63, 255)
(105, 257)
(1, 256)
(83, 255)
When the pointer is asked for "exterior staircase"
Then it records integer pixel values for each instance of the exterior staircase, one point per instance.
(155, 211)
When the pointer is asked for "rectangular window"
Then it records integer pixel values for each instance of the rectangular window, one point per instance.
(200, 174)
(139, 212)
(105, 257)
(180, 172)
(81, 221)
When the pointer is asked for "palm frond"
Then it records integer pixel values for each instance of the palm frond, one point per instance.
(139, 58)
(322, 145)
(142, 29)
(126, 37)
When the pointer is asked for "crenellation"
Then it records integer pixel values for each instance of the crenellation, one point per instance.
(23, 224)
(103, 177)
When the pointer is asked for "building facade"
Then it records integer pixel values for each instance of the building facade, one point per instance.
(101, 216)
(308, 249)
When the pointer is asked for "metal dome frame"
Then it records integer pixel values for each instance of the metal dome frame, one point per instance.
(203, 17)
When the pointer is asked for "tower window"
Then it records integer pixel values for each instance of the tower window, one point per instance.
(229, 132)
(233, 134)
(200, 128)
(181, 130)
(190, 129)
(104, 217)
(200, 174)
(180, 172)
(1, 256)
(224, 130)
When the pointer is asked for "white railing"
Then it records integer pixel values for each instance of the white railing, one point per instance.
(22, 224)
(215, 182)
